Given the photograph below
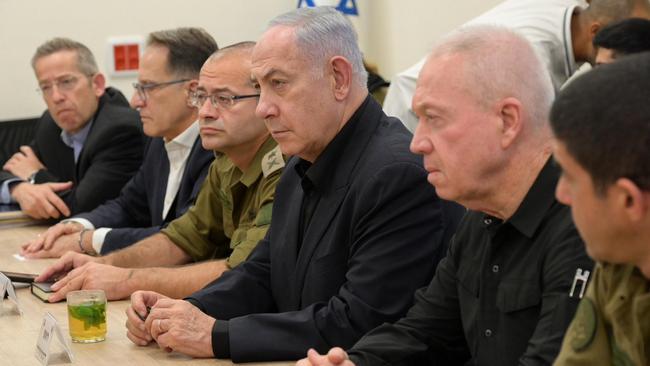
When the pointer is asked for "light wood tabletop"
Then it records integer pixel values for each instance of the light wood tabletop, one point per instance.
(18, 334)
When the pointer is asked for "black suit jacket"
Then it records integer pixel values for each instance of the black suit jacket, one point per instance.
(377, 234)
(111, 154)
(137, 212)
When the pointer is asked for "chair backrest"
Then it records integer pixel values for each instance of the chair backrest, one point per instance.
(15, 133)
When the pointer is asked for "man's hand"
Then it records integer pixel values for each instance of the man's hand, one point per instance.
(177, 325)
(40, 201)
(23, 163)
(54, 242)
(336, 356)
(93, 276)
(137, 313)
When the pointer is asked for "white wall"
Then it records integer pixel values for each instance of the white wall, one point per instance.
(393, 33)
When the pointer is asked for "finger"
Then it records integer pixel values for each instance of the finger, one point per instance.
(136, 326)
(337, 355)
(135, 339)
(72, 285)
(165, 342)
(41, 254)
(60, 186)
(157, 328)
(314, 357)
(61, 266)
(35, 245)
(72, 274)
(139, 304)
(165, 303)
(58, 204)
(52, 234)
(27, 151)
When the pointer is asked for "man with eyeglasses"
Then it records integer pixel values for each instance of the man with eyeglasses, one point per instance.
(87, 145)
(232, 211)
(175, 162)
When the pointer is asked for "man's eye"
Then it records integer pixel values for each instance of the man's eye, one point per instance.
(277, 83)
(45, 88)
(223, 99)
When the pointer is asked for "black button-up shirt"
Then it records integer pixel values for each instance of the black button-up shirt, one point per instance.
(501, 295)
(312, 177)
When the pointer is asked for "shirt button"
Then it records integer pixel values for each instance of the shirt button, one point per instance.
(487, 221)
(488, 333)
(495, 268)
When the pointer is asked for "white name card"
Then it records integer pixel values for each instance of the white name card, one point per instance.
(50, 328)
(7, 287)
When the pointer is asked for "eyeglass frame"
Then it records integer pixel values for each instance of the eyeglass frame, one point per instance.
(74, 80)
(142, 89)
(232, 99)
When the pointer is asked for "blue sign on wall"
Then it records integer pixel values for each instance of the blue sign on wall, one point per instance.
(348, 7)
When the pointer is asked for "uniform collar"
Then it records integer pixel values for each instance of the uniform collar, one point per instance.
(255, 168)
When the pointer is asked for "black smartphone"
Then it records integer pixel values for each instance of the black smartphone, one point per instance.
(20, 277)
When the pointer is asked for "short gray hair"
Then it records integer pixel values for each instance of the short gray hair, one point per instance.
(500, 63)
(85, 60)
(322, 33)
(188, 49)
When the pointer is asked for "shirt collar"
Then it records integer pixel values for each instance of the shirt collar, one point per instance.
(320, 172)
(538, 200)
(79, 137)
(570, 61)
(185, 140)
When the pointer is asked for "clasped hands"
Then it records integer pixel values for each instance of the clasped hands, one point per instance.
(175, 325)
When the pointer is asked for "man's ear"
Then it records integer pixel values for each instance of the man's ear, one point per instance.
(594, 27)
(191, 86)
(341, 70)
(509, 111)
(631, 199)
(99, 84)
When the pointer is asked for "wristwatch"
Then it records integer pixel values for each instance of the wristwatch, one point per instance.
(32, 178)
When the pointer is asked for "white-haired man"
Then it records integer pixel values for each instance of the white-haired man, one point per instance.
(502, 295)
(356, 228)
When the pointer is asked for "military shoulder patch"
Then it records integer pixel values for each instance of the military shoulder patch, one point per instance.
(583, 330)
(272, 161)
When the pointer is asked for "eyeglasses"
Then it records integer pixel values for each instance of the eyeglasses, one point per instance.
(63, 84)
(198, 98)
(143, 89)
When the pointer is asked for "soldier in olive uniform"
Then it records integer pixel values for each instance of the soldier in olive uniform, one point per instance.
(233, 209)
(602, 126)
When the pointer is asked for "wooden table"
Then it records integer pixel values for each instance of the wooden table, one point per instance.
(18, 334)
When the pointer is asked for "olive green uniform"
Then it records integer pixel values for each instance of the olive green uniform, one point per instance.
(233, 209)
(612, 323)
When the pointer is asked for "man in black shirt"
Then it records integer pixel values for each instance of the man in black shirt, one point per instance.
(356, 229)
(502, 295)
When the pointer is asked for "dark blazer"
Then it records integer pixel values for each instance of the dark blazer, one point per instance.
(376, 236)
(111, 154)
(137, 212)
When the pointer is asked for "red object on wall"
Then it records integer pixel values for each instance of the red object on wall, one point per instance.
(126, 57)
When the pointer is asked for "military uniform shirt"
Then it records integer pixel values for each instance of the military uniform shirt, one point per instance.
(233, 209)
(612, 324)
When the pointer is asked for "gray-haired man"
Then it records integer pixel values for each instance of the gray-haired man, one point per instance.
(356, 228)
